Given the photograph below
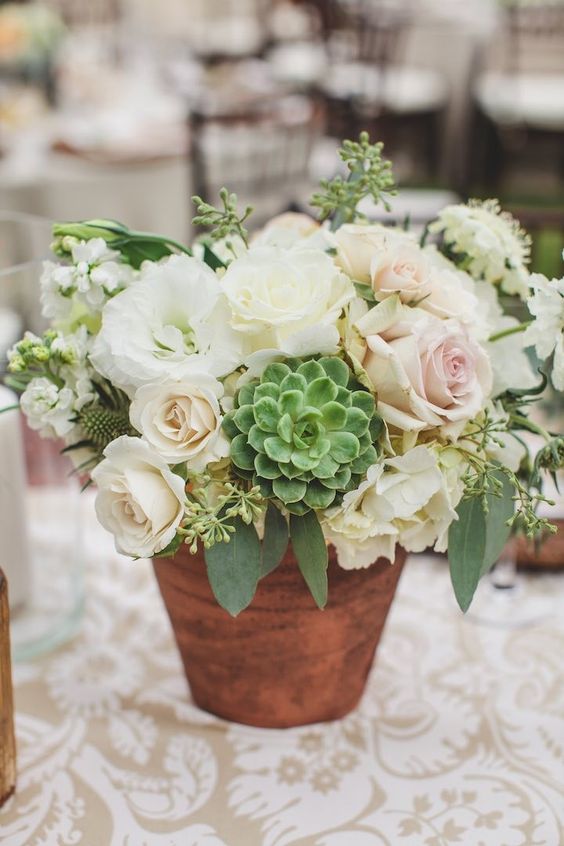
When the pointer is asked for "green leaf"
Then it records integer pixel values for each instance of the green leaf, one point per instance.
(501, 509)
(344, 447)
(211, 259)
(275, 372)
(244, 418)
(364, 461)
(275, 540)
(266, 468)
(365, 292)
(229, 426)
(311, 370)
(476, 539)
(311, 552)
(357, 422)
(319, 496)
(285, 428)
(364, 401)
(292, 403)
(277, 449)
(234, 568)
(267, 389)
(289, 490)
(267, 414)
(293, 382)
(246, 395)
(320, 391)
(335, 416)
(302, 460)
(339, 481)
(327, 467)
(337, 370)
(257, 437)
(242, 453)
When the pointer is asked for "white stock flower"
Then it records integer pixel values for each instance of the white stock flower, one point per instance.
(287, 301)
(174, 320)
(410, 500)
(81, 288)
(546, 333)
(48, 408)
(182, 420)
(139, 500)
(493, 245)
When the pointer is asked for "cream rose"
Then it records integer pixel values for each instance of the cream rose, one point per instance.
(287, 300)
(409, 500)
(402, 269)
(427, 372)
(181, 420)
(293, 229)
(359, 244)
(139, 500)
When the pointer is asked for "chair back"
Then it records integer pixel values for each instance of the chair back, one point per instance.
(535, 37)
(260, 150)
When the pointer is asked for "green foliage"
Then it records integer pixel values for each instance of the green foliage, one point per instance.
(476, 539)
(311, 552)
(302, 433)
(370, 175)
(222, 223)
(34, 356)
(209, 517)
(103, 425)
(234, 567)
(135, 247)
(275, 540)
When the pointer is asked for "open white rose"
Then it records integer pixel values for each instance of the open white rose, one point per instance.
(139, 500)
(409, 500)
(172, 321)
(427, 372)
(287, 300)
(181, 420)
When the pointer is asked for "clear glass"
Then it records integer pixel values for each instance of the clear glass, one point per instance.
(41, 526)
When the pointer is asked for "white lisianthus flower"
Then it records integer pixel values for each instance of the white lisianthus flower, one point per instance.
(427, 372)
(293, 229)
(409, 500)
(546, 333)
(139, 500)
(492, 243)
(172, 321)
(287, 301)
(48, 408)
(83, 287)
(182, 420)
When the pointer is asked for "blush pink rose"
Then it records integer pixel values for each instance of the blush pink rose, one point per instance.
(403, 269)
(427, 372)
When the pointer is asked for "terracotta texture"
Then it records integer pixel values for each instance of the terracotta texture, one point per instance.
(282, 662)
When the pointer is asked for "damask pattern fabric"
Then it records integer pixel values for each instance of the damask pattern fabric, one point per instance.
(459, 738)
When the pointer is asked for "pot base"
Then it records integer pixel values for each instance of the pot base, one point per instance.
(282, 662)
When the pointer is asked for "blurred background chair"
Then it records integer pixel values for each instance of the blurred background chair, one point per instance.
(261, 149)
(519, 98)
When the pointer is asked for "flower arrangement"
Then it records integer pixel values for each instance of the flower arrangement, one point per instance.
(326, 382)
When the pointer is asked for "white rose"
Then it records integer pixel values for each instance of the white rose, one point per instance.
(359, 244)
(427, 372)
(172, 321)
(139, 500)
(409, 500)
(287, 300)
(182, 420)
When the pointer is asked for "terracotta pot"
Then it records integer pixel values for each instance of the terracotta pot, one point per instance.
(282, 662)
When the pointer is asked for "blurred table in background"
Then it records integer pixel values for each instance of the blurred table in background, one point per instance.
(457, 739)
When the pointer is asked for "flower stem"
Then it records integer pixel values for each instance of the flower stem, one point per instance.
(513, 330)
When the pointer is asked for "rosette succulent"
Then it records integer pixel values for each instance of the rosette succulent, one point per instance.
(303, 432)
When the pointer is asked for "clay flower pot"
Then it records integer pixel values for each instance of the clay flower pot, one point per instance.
(282, 662)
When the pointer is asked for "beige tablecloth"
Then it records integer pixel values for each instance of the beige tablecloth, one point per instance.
(459, 738)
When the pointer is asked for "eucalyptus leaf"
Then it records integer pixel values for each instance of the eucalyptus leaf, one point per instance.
(170, 550)
(275, 540)
(211, 259)
(234, 568)
(311, 551)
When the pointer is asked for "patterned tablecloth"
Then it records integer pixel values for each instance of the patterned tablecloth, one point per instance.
(459, 738)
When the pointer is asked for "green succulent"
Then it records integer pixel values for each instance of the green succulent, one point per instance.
(303, 433)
